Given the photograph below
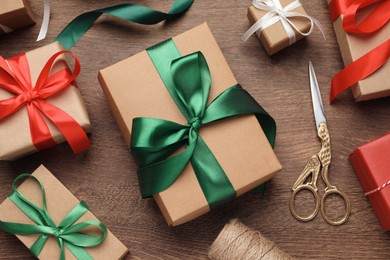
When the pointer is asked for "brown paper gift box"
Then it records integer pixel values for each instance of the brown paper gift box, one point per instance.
(275, 38)
(134, 89)
(59, 203)
(15, 138)
(352, 47)
(15, 14)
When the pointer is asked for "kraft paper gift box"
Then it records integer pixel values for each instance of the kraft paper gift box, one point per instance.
(14, 14)
(15, 136)
(134, 89)
(354, 46)
(275, 38)
(60, 201)
(371, 164)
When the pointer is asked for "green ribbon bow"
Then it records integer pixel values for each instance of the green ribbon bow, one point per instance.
(67, 233)
(153, 141)
(130, 12)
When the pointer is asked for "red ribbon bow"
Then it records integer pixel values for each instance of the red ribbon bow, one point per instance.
(15, 78)
(373, 60)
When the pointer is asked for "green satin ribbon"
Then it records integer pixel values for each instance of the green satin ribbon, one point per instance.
(130, 12)
(153, 141)
(67, 233)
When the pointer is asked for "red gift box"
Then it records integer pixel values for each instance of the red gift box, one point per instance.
(372, 166)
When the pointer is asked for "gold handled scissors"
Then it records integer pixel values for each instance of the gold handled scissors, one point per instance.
(317, 163)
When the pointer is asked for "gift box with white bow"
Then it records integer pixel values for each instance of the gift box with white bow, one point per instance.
(279, 23)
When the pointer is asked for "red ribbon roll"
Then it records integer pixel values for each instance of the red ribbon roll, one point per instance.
(15, 78)
(373, 60)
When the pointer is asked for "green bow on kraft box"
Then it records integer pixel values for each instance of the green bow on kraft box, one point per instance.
(54, 224)
(198, 137)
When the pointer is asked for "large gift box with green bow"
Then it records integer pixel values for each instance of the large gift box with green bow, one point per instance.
(53, 223)
(195, 133)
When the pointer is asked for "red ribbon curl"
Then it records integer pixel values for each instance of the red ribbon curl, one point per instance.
(373, 60)
(15, 78)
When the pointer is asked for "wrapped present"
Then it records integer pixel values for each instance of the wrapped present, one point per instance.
(15, 14)
(40, 104)
(192, 129)
(279, 23)
(371, 163)
(362, 30)
(54, 224)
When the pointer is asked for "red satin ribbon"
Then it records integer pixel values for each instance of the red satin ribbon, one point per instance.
(15, 78)
(373, 60)
(360, 69)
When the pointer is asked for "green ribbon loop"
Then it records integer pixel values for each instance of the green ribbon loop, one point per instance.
(67, 233)
(153, 140)
(130, 12)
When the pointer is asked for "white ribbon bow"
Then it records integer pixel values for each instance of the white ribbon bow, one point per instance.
(5, 29)
(277, 13)
(45, 21)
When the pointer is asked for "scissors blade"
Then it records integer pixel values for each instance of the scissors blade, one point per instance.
(318, 107)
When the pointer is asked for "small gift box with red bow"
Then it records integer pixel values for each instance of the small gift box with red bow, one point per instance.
(48, 219)
(372, 164)
(279, 23)
(40, 104)
(362, 28)
(14, 14)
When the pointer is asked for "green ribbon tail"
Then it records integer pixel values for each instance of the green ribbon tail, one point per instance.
(215, 185)
(159, 176)
(38, 245)
(77, 251)
(130, 12)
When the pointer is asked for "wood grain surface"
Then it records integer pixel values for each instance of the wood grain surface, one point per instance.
(105, 175)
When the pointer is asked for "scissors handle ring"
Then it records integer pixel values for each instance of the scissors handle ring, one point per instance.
(334, 190)
(313, 190)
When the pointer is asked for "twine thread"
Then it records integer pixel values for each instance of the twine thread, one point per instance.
(238, 242)
(378, 189)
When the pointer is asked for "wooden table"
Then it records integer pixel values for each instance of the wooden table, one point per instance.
(105, 176)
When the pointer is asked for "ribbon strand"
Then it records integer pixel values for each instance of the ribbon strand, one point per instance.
(67, 233)
(374, 21)
(130, 12)
(45, 21)
(5, 29)
(374, 59)
(275, 13)
(360, 69)
(386, 184)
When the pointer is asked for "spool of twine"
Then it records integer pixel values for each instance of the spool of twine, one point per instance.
(237, 241)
